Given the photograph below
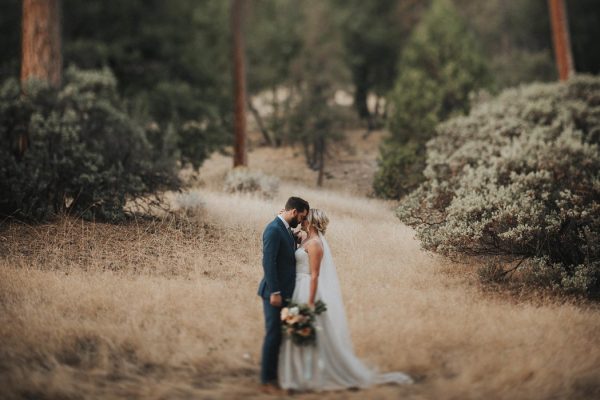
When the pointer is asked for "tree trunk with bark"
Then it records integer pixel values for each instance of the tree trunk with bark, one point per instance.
(561, 39)
(240, 156)
(322, 149)
(260, 123)
(361, 95)
(41, 55)
(41, 44)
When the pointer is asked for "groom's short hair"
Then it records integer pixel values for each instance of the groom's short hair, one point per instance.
(296, 203)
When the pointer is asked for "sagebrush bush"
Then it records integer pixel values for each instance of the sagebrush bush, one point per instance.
(189, 203)
(74, 150)
(244, 180)
(519, 177)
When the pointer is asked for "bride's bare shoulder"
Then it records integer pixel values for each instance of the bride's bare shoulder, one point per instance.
(314, 245)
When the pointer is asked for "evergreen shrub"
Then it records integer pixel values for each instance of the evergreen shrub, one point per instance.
(438, 70)
(519, 178)
(74, 150)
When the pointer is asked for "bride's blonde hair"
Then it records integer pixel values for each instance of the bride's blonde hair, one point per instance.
(318, 219)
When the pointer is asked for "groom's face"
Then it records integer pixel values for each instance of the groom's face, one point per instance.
(298, 217)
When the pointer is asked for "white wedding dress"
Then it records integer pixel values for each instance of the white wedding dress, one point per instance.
(331, 364)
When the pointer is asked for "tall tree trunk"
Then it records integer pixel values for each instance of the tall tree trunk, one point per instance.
(306, 147)
(41, 44)
(261, 125)
(321, 160)
(361, 92)
(561, 39)
(277, 117)
(41, 56)
(240, 156)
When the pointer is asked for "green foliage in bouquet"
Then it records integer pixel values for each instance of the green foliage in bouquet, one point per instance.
(298, 322)
(439, 68)
(85, 155)
(519, 178)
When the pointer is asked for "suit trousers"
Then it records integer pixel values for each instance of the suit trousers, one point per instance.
(272, 342)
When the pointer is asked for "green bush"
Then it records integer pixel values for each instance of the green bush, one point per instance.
(519, 177)
(397, 160)
(85, 155)
(439, 68)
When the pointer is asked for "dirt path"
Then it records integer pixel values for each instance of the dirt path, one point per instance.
(350, 165)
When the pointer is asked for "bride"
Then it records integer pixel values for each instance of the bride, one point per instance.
(330, 364)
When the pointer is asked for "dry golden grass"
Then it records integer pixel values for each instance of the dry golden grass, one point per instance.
(167, 309)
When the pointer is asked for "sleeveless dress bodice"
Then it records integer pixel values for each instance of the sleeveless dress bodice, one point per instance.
(302, 265)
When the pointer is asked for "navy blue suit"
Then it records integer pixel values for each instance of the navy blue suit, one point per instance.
(279, 265)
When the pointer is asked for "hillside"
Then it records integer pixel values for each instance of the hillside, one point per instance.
(168, 308)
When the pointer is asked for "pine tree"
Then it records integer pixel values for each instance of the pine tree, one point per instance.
(315, 120)
(439, 68)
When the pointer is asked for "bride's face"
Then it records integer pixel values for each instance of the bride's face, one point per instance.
(304, 225)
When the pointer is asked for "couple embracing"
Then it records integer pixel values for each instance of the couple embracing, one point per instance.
(301, 269)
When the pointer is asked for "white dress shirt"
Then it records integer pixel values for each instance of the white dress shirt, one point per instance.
(287, 226)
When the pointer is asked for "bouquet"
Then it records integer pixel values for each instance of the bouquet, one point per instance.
(297, 322)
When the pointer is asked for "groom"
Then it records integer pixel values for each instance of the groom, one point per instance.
(279, 265)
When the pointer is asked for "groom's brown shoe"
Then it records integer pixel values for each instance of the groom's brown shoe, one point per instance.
(270, 388)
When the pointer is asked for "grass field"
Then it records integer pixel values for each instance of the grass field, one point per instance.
(167, 309)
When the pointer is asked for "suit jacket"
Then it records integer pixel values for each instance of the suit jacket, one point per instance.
(279, 261)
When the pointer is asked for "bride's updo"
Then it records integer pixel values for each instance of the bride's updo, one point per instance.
(318, 219)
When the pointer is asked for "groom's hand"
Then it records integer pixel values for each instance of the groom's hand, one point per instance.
(275, 300)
